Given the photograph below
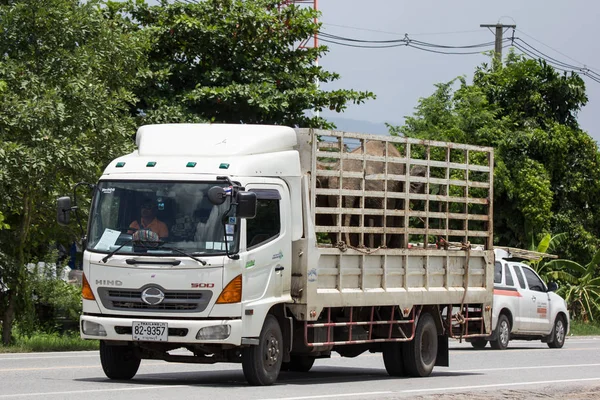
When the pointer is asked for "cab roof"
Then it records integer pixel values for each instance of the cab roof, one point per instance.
(213, 139)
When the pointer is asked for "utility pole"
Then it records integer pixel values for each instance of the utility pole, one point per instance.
(499, 32)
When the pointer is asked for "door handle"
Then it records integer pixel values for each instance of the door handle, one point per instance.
(533, 298)
(278, 268)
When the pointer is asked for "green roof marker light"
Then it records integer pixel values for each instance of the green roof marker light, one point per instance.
(191, 164)
(223, 166)
(120, 164)
(151, 164)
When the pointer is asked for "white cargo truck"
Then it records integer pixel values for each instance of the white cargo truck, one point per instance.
(272, 247)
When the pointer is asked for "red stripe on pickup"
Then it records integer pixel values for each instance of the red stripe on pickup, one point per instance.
(501, 292)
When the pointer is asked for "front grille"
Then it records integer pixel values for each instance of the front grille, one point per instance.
(174, 300)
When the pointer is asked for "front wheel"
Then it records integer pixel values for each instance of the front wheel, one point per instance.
(558, 334)
(118, 362)
(502, 333)
(261, 364)
(421, 352)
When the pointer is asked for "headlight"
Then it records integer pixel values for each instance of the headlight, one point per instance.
(216, 332)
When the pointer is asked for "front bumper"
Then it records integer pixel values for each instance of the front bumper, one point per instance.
(180, 331)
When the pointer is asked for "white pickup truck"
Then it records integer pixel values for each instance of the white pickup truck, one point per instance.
(524, 307)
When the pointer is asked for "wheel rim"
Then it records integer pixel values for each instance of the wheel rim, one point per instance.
(504, 333)
(559, 331)
(271, 352)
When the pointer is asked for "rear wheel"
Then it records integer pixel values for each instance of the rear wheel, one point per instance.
(298, 364)
(118, 362)
(421, 352)
(479, 343)
(559, 333)
(261, 364)
(502, 333)
(392, 359)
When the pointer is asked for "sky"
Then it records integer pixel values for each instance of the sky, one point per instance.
(565, 30)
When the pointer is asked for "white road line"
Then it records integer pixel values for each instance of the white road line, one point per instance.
(519, 368)
(9, 396)
(48, 357)
(497, 385)
(327, 396)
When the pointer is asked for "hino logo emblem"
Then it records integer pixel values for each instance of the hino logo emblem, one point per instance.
(153, 296)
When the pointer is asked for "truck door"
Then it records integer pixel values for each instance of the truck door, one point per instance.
(527, 303)
(540, 317)
(267, 263)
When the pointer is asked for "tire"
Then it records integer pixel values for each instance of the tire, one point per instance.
(118, 362)
(502, 334)
(479, 344)
(559, 332)
(298, 364)
(393, 359)
(261, 364)
(421, 352)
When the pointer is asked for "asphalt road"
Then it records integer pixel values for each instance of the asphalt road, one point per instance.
(526, 370)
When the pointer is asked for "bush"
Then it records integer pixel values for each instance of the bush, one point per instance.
(55, 304)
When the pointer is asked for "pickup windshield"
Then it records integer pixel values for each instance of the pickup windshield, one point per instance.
(159, 218)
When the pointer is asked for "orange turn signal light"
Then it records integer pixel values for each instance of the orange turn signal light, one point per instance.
(232, 292)
(86, 290)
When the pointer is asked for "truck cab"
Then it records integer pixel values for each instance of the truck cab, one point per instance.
(524, 307)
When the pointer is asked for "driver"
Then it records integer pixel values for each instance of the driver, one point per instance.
(149, 221)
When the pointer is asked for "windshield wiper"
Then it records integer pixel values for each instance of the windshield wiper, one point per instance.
(112, 253)
(160, 245)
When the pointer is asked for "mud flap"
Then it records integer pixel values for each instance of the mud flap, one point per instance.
(443, 352)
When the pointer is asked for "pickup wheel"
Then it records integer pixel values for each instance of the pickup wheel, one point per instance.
(558, 333)
(421, 352)
(261, 364)
(392, 358)
(479, 344)
(502, 333)
(298, 364)
(118, 362)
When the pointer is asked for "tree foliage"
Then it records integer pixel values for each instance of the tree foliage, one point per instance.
(547, 170)
(233, 61)
(580, 286)
(67, 76)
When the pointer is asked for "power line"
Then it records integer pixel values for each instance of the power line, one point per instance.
(399, 34)
(557, 51)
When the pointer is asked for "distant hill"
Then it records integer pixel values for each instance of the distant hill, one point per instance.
(353, 125)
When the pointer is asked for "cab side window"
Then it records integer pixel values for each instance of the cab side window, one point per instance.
(266, 226)
(519, 274)
(497, 272)
(534, 282)
(508, 277)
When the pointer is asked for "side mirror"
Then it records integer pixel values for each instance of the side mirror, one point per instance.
(63, 210)
(217, 195)
(246, 207)
(552, 286)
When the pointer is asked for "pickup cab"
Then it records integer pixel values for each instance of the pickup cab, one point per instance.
(524, 307)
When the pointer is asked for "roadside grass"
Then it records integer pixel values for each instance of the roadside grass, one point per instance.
(579, 328)
(42, 342)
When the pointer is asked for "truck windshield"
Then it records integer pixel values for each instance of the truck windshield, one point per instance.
(160, 218)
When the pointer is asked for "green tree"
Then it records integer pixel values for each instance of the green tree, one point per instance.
(580, 286)
(547, 171)
(233, 61)
(549, 244)
(67, 75)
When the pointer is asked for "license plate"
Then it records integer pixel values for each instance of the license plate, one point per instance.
(148, 331)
